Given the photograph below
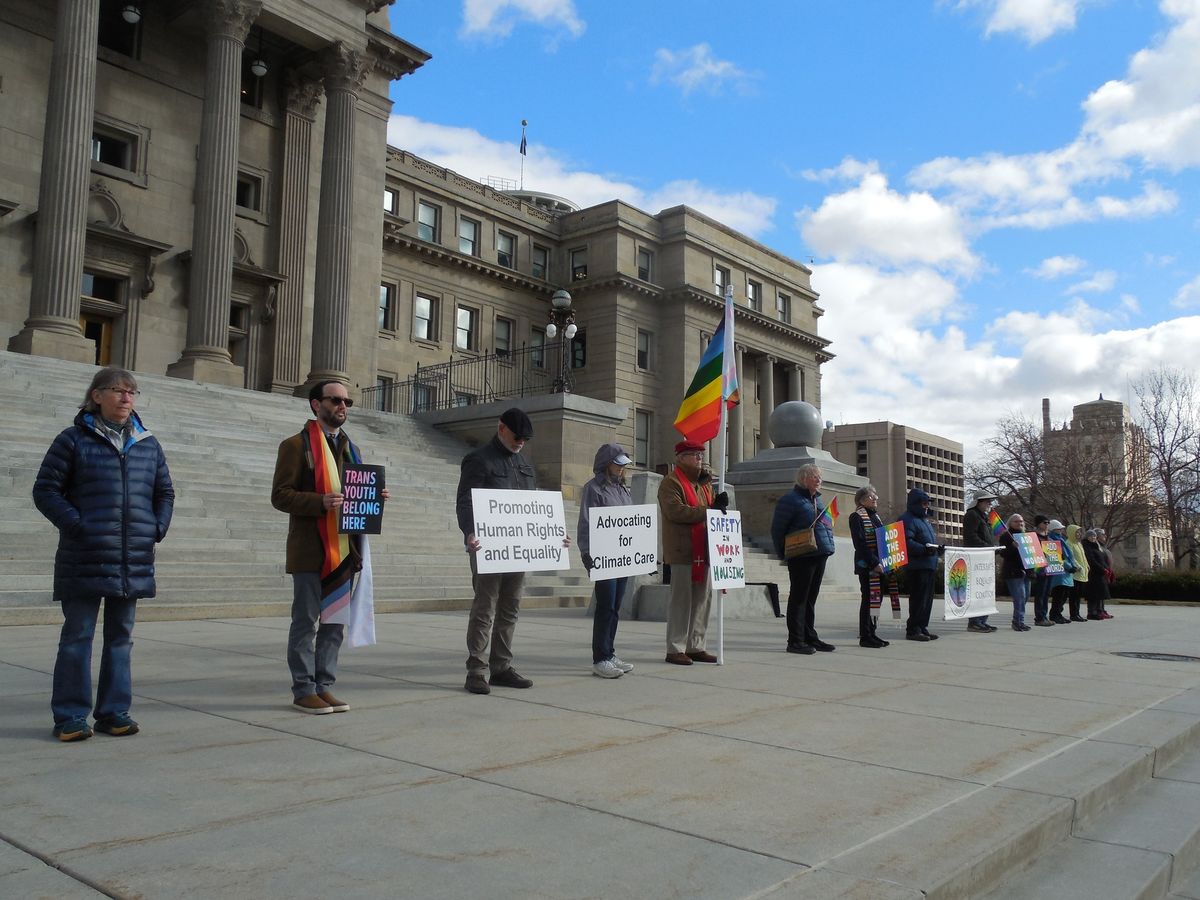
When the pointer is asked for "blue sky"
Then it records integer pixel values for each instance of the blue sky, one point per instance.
(1000, 198)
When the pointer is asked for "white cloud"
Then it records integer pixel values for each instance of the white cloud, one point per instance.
(696, 67)
(494, 19)
(849, 169)
(1188, 296)
(1130, 304)
(1057, 266)
(470, 153)
(1033, 20)
(875, 224)
(1100, 283)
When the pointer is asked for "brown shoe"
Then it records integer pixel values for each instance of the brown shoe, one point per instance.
(679, 659)
(312, 704)
(701, 656)
(335, 705)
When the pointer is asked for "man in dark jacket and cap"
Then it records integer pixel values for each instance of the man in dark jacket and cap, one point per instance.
(105, 486)
(977, 533)
(923, 551)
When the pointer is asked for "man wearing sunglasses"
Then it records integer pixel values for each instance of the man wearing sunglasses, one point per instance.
(308, 476)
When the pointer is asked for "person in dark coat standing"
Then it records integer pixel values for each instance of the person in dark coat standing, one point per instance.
(864, 525)
(976, 533)
(104, 484)
(923, 552)
(800, 508)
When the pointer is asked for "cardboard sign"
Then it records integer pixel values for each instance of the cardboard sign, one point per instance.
(970, 582)
(623, 541)
(892, 546)
(1030, 549)
(1054, 557)
(361, 511)
(520, 531)
(726, 565)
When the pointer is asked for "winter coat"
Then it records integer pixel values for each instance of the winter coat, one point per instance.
(918, 531)
(110, 508)
(1069, 564)
(1074, 538)
(866, 552)
(976, 532)
(678, 516)
(494, 467)
(795, 510)
(602, 490)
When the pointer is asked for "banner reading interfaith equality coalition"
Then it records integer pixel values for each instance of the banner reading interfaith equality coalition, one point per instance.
(970, 582)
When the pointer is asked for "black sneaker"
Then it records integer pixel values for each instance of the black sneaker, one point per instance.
(929, 634)
(822, 646)
(916, 636)
(510, 678)
(1044, 623)
(477, 684)
(119, 725)
(802, 649)
(1059, 620)
(73, 730)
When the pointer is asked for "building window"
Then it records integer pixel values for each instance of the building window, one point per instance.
(387, 306)
(783, 307)
(537, 348)
(754, 295)
(503, 337)
(506, 250)
(428, 217)
(251, 91)
(391, 201)
(249, 192)
(115, 33)
(466, 328)
(645, 264)
(468, 237)
(643, 350)
(721, 279)
(462, 398)
(425, 318)
(119, 150)
(422, 398)
(115, 150)
(541, 262)
(641, 439)
(579, 263)
(578, 346)
(101, 287)
(383, 392)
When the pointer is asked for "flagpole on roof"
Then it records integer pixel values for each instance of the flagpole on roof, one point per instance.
(524, 122)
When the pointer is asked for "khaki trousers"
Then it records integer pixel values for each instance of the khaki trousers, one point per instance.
(687, 616)
(493, 619)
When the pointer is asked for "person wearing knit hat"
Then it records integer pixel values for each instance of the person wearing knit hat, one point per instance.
(684, 499)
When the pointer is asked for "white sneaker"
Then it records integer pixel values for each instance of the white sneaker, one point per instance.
(607, 669)
(621, 664)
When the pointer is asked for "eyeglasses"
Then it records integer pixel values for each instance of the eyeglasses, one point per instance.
(123, 392)
(694, 453)
(340, 401)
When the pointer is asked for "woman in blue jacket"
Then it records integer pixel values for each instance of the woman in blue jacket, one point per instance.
(795, 510)
(105, 486)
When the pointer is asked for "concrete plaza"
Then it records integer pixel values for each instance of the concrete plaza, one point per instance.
(932, 769)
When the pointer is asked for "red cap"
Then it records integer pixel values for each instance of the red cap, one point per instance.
(688, 447)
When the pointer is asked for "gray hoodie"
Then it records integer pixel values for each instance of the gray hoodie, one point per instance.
(602, 490)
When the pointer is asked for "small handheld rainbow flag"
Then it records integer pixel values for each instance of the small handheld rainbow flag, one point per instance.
(829, 515)
(995, 523)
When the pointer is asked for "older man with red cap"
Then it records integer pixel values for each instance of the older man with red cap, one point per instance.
(684, 498)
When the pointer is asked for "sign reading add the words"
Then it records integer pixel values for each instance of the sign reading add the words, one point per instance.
(520, 531)
(726, 565)
(892, 546)
(361, 511)
(1030, 549)
(623, 540)
(970, 582)
(1054, 557)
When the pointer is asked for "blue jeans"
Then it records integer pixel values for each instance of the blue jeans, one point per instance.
(1018, 589)
(71, 697)
(608, 612)
(312, 649)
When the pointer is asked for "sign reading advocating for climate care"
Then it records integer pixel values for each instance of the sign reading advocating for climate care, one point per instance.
(623, 540)
(970, 582)
(519, 531)
(726, 565)
(892, 546)
(361, 511)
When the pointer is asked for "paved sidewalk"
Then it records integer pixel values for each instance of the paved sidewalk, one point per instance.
(864, 773)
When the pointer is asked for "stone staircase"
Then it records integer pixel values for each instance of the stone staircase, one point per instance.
(224, 555)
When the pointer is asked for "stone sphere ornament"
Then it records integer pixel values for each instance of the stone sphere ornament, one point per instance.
(795, 424)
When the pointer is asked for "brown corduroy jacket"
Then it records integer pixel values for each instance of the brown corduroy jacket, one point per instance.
(294, 491)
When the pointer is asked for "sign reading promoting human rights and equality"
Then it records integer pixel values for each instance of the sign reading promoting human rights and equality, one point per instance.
(1030, 549)
(726, 565)
(970, 582)
(892, 546)
(1054, 557)
(361, 511)
(519, 531)
(623, 540)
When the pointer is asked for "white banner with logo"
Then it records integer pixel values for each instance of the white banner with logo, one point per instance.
(970, 582)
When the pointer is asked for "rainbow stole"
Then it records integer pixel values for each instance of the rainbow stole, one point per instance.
(338, 565)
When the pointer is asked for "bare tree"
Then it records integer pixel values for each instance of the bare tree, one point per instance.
(1013, 462)
(1167, 415)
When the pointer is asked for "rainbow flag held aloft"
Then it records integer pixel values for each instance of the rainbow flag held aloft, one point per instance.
(715, 380)
(830, 514)
(995, 523)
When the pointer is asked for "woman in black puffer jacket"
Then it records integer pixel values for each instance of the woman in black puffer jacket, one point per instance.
(104, 484)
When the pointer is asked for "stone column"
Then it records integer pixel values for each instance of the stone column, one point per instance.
(52, 328)
(736, 420)
(795, 383)
(344, 70)
(302, 99)
(206, 354)
(766, 398)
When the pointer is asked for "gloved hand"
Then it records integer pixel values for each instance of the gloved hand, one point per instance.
(721, 502)
(587, 561)
(941, 549)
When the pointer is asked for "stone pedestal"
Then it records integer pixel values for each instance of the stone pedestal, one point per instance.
(208, 370)
(44, 336)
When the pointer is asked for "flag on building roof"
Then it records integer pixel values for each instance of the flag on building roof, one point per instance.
(830, 514)
(715, 380)
(995, 523)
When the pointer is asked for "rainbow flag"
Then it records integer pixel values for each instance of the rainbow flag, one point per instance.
(830, 514)
(995, 523)
(715, 380)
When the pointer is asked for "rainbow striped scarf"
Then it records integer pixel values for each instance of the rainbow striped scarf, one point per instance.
(341, 560)
(874, 581)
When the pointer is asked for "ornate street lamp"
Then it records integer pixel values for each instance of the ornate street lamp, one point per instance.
(562, 320)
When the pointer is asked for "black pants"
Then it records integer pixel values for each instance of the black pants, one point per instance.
(866, 624)
(804, 574)
(920, 600)
(1063, 594)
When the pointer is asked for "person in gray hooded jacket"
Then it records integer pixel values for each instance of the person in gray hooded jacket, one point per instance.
(607, 488)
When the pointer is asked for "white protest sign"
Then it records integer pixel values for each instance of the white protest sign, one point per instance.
(519, 531)
(727, 566)
(970, 582)
(623, 540)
